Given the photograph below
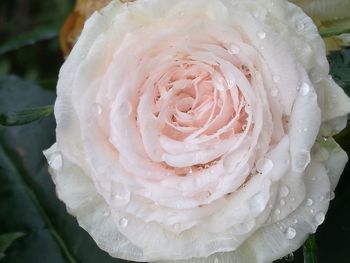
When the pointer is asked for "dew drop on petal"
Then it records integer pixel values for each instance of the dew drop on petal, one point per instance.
(56, 162)
(264, 165)
(319, 218)
(181, 185)
(322, 155)
(331, 195)
(284, 191)
(274, 92)
(98, 109)
(290, 233)
(106, 213)
(155, 206)
(300, 25)
(125, 108)
(282, 202)
(277, 211)
(295, 221)
(276, 78)
(176, 227)
(216, 260)
(301, 160)
(304, 89)
(120, 194)
(123, 222)
(289, 257)
(233, 50)
(309, 202)
(229, 163)
(257, 203)
(261, 35)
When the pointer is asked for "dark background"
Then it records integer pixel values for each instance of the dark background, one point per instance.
(34, 225)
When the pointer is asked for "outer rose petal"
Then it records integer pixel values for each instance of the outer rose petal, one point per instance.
(89, 162)
(270, 243)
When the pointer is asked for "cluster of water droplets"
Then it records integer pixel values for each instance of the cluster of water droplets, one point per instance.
(300, 160)
(264, 166)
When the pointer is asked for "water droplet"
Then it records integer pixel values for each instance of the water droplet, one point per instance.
(216, 260)
(284, 191)
(257, 203)
(106, 213)
(123, 222)
(282, 202)
(309, 202)
(274, 92)
(176, 227)
(330, 195)
(300, 160)
(181, 185)
(289, 257)
(264, 165)
(98, 109)
(322, 154)
(231, 83)
(261, 35)
(300, 25)
(290, 233)
(319, 218)
(233, 49)
(277, 211)
(312, 211)
(120, 194)
(304, 89)
(125, 108)
(56, 162)
(229, 163)
(305, 129)
(295, 221)
(276, 78)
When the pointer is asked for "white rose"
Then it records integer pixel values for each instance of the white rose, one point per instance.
(188, 128)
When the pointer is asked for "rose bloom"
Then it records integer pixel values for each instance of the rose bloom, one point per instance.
(198, 130)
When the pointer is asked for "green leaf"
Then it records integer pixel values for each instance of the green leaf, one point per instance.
(340, 68)
(27, 194)
(6, 240)
(29, 38)
(310, 250)
(25, 116)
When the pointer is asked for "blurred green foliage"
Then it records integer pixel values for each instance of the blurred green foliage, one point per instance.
(29, 35)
